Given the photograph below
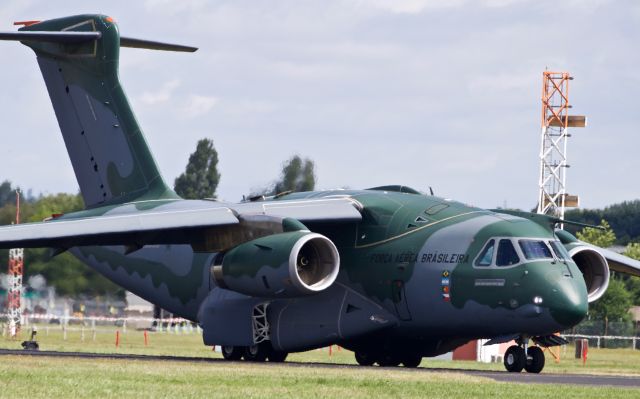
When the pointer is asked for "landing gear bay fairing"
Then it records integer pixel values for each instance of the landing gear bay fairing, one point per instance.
(389, 273)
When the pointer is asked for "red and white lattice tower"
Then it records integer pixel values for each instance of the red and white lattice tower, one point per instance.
(552, 193)
(14, 294)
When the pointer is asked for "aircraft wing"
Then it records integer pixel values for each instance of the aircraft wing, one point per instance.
(617, 262)
(206, 225)
(620, 263)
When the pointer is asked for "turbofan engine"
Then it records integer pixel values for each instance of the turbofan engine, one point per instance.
(594, 268)
(281, 265)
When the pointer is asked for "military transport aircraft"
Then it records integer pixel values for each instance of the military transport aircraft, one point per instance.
(389, 273)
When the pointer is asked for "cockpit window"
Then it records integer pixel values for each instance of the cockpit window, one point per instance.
(559, 250)
(507, 254)
(486, 256)
(533, 249)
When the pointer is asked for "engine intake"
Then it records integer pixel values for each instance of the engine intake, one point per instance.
(594, 268)
(289, 264)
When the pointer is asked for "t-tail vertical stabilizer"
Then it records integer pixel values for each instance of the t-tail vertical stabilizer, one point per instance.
(78, 57)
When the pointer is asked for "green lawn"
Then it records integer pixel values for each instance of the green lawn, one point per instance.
(601, 361)
(27, 377)
(33, 377)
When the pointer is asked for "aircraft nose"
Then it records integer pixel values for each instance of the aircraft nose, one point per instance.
(570, 304)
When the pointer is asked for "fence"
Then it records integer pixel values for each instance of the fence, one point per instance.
(98, 324)
(615, 334)
(607, 341)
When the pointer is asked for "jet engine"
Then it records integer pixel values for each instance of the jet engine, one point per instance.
(594, 268)
(284, 265)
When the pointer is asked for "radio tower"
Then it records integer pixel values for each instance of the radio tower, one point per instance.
(552, 194)
(16, 263)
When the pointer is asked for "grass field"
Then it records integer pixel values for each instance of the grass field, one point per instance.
(27, 377)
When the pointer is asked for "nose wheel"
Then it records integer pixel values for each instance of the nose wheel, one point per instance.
(517, 358)
(535, 360)
(514, 359)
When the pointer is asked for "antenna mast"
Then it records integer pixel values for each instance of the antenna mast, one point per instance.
(552, 193)
(14, 293)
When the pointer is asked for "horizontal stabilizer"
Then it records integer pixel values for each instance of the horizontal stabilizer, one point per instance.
(151, 45)
(80, 37)
(54, 37)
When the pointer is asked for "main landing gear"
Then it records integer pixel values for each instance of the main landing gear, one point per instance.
(254, 353)
(519, 357)
(387, 359)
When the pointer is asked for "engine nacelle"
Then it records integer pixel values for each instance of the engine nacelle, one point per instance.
(284, 265)
(594, 268)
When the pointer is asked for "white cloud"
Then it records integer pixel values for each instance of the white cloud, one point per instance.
(411, 6)
(418, 6)
(173, 6)
(161, 95)
(197, 105)
(503, 81)
(442, 92)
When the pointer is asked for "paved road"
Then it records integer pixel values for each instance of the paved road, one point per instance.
(543, 378)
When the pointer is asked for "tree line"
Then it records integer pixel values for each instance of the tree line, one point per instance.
(624, 219)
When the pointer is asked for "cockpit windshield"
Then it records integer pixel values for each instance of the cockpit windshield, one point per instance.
(512, 251)
(507, 254)
(486, 257)
(533, 249)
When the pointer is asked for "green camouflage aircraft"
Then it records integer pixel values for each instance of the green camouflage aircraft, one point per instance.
(389, 273)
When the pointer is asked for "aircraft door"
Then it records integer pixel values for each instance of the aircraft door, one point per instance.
(400, 300)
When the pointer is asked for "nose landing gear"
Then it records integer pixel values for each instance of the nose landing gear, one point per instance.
(521, 356)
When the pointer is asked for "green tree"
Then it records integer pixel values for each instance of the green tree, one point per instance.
(633, 283)
(603, 238)
(7, 193)
(49, 205)
(614, 304)
(201, 176)
(297, 175)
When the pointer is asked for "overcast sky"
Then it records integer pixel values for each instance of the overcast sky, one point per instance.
(441, 93)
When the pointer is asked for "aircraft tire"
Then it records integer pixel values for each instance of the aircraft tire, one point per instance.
(411, 361)
(257, 353)
(365, 358)
(277, 356)
(514, 359)
(535, 360)
(232, 352)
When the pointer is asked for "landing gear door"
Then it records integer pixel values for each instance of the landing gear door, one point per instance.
(400, 300)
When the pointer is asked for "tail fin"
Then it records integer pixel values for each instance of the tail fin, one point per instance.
(78, 57)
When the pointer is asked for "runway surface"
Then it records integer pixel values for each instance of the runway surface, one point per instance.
(503, 376)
